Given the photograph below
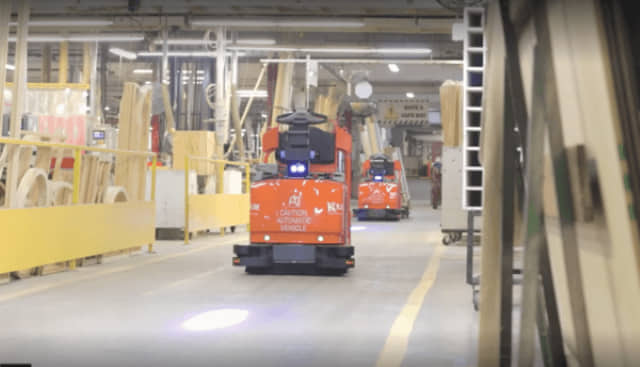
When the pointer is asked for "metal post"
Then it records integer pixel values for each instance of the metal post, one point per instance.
(307, 102)
(248, 189)
(165, 56)
(221, 115)
(19, 94)
(5, 16)
(186, 200)
(104, 52)
(75, 199)
(470, 221)
(220, 184)
(77, 164)
(154, 162)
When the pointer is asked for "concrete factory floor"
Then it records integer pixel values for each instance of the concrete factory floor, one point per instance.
(405, 303)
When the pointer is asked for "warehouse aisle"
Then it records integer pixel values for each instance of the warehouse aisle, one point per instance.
(405, 300)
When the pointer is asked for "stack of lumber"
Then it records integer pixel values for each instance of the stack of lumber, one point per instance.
(135, 117)
(592, 235)
(283, 92)
(328, 105)
(194, 144)
(451, 112)
(95, 177)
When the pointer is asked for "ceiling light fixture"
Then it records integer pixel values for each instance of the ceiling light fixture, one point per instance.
(40, 38)
(411, 95)
(283, 23)
(143, 71)
(90, 37)
(183, 54)
(394, 68)
(65, 22)
(422, 61)
(352, 50)
(106, 37)
(123, 53)
(248, 93)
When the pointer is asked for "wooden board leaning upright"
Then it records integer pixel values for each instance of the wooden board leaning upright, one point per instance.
(135, 113)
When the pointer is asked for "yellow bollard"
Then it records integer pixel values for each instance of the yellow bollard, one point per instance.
(75, 198)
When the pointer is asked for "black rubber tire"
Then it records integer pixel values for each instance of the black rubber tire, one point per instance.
(233, 229)
(445, 240)
(256, 270)
(332, 272)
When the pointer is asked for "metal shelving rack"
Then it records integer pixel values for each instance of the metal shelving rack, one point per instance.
(473, 82)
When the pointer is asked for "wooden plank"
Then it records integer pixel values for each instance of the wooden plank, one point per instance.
(86, 63)
(92, 183)
(124, 125)
(491, 152)
(237, 122)
(601, 121)
(451, 112)
(104, 180)
(195, 144)
(63, 63)
(143, 143)
(168, 110)
(84, 177)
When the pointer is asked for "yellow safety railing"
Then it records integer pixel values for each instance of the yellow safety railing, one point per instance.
(222, 210)
(38, 236)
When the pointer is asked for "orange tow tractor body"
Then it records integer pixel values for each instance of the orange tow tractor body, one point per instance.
(299, 220)
(380, 193)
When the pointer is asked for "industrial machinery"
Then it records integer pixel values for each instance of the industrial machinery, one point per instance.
(380, 194)
(299, 220)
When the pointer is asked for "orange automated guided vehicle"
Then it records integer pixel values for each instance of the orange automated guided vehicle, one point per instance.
(300, 218)
(380, 195)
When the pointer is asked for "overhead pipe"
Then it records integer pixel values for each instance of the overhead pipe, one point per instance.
(367, 61)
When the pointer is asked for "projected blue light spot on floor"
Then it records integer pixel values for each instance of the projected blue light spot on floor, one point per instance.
(216, 319)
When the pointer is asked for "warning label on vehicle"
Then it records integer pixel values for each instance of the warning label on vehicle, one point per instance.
(293, 220)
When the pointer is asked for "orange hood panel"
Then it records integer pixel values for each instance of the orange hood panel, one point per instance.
(303, 211)
(379, 195)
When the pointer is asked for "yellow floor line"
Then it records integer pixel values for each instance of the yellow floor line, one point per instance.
(74, 279)
(395, 347)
